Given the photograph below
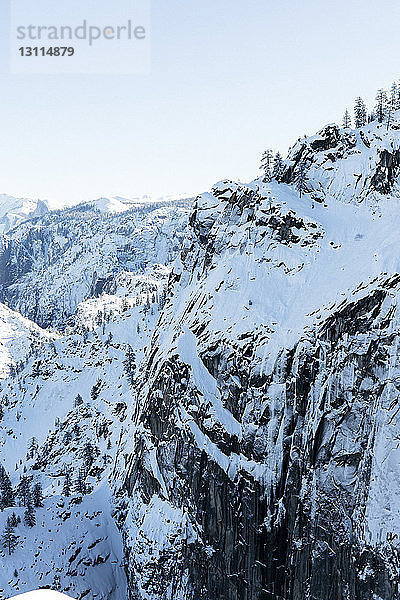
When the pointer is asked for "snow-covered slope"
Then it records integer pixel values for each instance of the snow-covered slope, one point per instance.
(14, 211)
(236, 435)
(63, 412)
(42, 595)
(17, 338)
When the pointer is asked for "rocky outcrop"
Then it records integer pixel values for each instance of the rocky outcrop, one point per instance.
(386, 172)
(259, 438)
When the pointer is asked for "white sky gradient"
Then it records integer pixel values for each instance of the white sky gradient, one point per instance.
(228, 79)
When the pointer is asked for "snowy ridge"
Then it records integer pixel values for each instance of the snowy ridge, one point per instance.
(14, 211)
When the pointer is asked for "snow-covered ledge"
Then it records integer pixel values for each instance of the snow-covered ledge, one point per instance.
(42, 595)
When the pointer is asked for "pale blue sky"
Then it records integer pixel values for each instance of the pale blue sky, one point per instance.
(228, 79)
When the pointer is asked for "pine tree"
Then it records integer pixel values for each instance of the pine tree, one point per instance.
(14, 520)
(394, 97)
(29, 516)
(78, 401)
(392, 103)
(23, 491)
(278, 165)
(301, 178)
(37, 495)
(6, 490)
(130, 364)
(36, 369)
(67, 485)
(381, 107)
(398, 97)
(266, 165)
(33, 447)
(346, 120)
(9, 539)
(360, 113)
(80, 484)
(88, 456)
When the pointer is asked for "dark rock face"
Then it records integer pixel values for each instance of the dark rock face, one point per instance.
(262, 448)
(329, 138)
(273, 483)
(299, 535)
(386, 172)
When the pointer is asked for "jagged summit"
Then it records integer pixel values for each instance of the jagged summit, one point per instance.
(347, 164)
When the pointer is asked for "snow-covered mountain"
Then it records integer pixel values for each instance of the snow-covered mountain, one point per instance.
(213, 412)
(116, 204)
(51, 264)
(265, 457)
(14, 211)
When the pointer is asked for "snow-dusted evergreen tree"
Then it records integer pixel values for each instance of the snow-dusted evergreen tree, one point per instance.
(346, 119)
(360, 113)
(394, 97)
(29, 516)
(80, 483)
(266, 165)
(78, 401)
(24, 491)
(33, 447)
(6, 491)
(278, 165)
(9, 539)
(88, 456)
(67, 437)
(37, 495)
(67, 487)
(301, 178)
(130, 364)
(381, 107)
(14, 520)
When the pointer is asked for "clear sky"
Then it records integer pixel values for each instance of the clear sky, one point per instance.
(228, 78)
